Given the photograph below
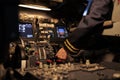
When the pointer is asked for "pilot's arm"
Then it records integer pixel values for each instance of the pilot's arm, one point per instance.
(89, 25)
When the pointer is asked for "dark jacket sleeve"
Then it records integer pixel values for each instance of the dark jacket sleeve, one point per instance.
(89, 25)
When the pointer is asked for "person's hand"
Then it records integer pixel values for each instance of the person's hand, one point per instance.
(62, 54)
(2, 72)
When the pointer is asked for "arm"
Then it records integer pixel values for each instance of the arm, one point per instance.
(89, 25)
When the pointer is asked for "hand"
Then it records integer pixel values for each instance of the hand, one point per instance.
(2, 72)
(62, 54)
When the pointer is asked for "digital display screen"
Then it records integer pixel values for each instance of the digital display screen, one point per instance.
(62, 32)
(26, 30)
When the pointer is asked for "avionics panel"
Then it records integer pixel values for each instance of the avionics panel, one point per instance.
(61, 32)
(26, 30)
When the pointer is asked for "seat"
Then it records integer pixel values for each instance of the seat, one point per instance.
(114, 22)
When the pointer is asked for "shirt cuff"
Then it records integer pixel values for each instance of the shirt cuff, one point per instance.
(70, 49)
